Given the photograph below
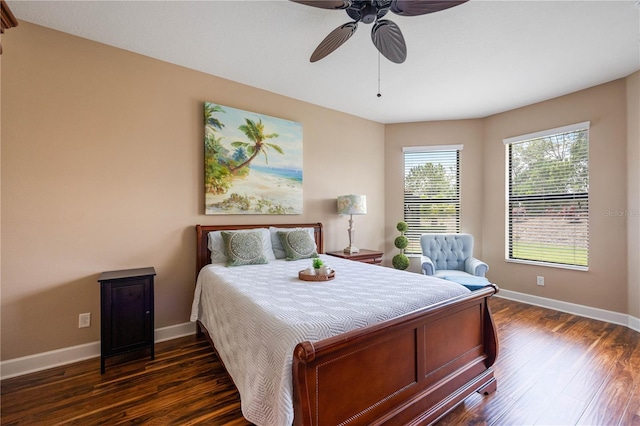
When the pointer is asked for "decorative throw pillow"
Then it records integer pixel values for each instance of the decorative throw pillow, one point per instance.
(297, 244)
(219, 251)
(244, 248)
(276, 244)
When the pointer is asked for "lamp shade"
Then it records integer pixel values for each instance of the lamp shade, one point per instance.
(352, 204)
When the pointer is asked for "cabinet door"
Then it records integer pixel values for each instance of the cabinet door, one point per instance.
(130, 314)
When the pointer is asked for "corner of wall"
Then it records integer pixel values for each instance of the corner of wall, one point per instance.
(633, 192)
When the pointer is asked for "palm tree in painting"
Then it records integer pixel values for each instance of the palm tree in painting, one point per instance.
(255, 133)
(212, 146)
(211, 123)
(239, 155)
(216, 174)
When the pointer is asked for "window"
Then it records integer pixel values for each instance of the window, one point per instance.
(431, 192)
(548, 197)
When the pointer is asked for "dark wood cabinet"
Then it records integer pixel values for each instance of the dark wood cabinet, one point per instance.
(366, 256)
(126, 312)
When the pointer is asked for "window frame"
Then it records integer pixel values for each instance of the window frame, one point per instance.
(414, 237)
(584, 196)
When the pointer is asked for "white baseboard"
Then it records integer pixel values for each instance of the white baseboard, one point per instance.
(32, 363)
(37, 362)
(634, 323)
(572, 308)
(174, 331)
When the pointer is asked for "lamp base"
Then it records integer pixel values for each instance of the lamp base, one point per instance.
(351, 250)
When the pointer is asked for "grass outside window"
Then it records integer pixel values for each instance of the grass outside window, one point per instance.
(541, 252)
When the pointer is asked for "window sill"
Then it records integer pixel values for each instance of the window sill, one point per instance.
(549, 265)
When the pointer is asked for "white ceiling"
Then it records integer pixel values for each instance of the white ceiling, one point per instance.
(470, 61)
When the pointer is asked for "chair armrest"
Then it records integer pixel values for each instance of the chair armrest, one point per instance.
(475, 267)
(427, 266)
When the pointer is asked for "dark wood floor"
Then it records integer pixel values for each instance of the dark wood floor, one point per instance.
(553, 368)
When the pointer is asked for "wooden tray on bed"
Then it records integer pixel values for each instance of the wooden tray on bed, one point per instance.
(307, 277)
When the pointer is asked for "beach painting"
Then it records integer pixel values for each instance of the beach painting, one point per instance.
(252, 162)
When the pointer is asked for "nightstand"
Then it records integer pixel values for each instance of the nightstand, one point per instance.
(126, 312)
(365, 256)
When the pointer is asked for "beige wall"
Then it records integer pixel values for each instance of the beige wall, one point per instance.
(102, 170)
(605, 284)
(633, 179)
(465, 132)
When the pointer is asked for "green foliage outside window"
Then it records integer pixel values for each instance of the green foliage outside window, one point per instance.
(548, 214)
(431, 193)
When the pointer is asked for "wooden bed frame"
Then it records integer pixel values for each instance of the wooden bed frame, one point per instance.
(412, 369)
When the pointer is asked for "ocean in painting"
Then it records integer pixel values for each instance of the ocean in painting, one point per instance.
(293, 174)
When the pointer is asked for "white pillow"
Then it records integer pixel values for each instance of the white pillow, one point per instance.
(276, 244)
(216, 244)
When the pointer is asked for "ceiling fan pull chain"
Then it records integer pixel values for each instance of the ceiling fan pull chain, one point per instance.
(379, 94)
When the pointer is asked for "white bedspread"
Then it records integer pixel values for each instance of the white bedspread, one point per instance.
(257, 314)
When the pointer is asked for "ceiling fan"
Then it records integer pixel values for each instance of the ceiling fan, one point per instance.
(386, 35)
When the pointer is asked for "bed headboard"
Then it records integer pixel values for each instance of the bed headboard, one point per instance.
(203, 256)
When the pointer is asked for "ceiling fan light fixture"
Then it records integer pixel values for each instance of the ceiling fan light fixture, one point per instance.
(368, 13)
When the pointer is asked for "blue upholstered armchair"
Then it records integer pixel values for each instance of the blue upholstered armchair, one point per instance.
(450, 256)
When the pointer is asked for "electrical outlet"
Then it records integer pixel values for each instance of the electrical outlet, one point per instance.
(84, 320)
(540, 280)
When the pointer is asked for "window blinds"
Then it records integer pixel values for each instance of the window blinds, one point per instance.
(431, 192)
(548, 197)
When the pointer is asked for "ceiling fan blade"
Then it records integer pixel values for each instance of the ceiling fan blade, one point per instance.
(387, 37)
(334, 40)
(325, 4)
(422, 7)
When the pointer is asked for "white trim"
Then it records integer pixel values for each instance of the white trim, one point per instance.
(432, 148)
(174, 331)
(572, 308)
(543, 133)
(42, 361)
(541, 263)
(32, 363)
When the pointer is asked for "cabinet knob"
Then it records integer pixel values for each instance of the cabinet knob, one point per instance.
(148, 312)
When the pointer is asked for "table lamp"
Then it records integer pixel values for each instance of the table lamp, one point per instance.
(352, 204)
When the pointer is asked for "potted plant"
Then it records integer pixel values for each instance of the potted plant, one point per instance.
(401, 261)
(319, 267)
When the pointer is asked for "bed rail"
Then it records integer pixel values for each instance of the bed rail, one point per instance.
(412, 369)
